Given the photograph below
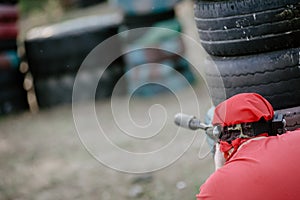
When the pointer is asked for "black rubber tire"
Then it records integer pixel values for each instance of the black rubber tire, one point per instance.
(274, 75)
(13, 100)
(55, 91)
(6, 45)
(9, 70)
(147, 20)
(231, 28)
(9, 2)
(10, 78)
(64, 51)
(86, 3)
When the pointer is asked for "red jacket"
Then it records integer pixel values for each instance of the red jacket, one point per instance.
(264, 169)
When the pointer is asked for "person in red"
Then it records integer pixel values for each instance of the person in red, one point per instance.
(258, 165)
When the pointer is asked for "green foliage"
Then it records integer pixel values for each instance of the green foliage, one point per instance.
(28, 6)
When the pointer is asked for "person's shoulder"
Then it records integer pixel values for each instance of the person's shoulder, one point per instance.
(293, 135)
(297, 131)
(219, 185)
(223, 176)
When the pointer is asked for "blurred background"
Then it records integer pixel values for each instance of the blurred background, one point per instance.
(43, 44)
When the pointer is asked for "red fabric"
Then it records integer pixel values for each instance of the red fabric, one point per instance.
(241, 108)
(268, 168)
(225, 146)
(8, 31)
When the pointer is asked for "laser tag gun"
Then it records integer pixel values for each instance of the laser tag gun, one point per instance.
(283, 121)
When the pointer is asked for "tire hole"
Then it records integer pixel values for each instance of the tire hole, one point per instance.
(232, 7)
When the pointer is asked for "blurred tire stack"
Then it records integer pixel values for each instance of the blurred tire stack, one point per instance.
(86, 3)
(12, 94)
(56, 52)
(80, 3)
(254, 47)
(154, 70)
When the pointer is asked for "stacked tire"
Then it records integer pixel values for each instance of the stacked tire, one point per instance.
(87, 3)
(153, 61)
(56, 52)
(80, 3)
(254, 47)
(12, 94)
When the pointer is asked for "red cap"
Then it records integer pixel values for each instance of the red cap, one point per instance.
(241, 108)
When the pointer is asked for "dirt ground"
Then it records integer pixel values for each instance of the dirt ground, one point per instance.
(42, 157)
